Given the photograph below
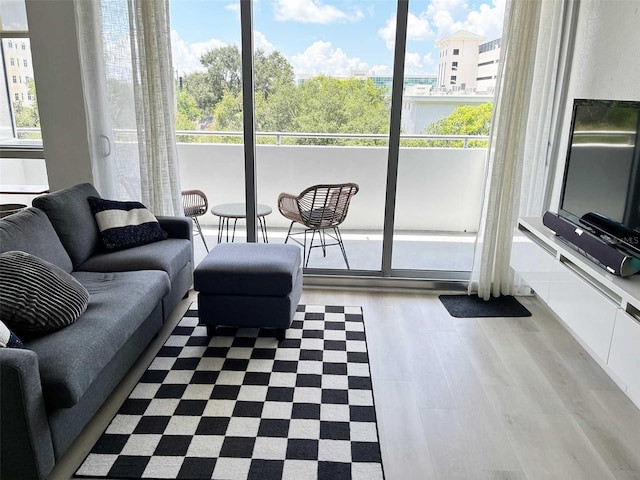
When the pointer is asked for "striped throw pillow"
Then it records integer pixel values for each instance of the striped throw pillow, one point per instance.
(125, 224)
(37, 296)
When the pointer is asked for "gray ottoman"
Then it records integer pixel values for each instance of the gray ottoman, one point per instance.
(249, 285)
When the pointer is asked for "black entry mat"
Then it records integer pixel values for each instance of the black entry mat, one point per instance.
(472, 306)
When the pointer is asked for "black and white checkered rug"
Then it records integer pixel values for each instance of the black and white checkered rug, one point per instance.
(242, 406)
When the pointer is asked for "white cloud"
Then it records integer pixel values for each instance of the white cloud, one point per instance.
(312, 11)
(418, 28)
(234, 7)
(260, 41)
(486, 20)
(443, 22)
(321, 57)
(186, 56)
(412, 65)
(428, 61)
(382, 70)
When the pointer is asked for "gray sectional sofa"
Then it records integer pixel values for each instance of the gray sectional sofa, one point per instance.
(51, 389)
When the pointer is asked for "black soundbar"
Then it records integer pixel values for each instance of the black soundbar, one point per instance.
(611, 228)
(602, 251)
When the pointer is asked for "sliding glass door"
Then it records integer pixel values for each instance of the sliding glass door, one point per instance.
(206, 41)
(322, 95)
(324, 112)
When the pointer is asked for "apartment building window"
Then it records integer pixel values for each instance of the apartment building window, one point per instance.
(10, 44)
(23, 46)
(18, 107)
(454, 65)
(456, 51)
(454, 79)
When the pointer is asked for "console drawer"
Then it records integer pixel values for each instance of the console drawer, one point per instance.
(532, 263)
(624, 357)
(585, 310)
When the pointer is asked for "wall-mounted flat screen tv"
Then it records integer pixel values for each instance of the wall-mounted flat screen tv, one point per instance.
(601, 187)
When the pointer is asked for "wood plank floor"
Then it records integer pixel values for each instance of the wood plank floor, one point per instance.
(487, 398)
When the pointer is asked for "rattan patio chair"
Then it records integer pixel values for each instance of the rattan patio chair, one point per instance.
(318, 208)
(195, 204)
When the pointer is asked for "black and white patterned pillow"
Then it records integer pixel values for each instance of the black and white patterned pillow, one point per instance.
(8, 339)
(37, 296)
(125, 224)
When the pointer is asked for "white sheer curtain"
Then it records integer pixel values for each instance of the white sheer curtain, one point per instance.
(520, 135)
(128, 85)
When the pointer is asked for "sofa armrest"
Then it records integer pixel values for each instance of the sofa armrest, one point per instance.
(177, 227)
(26, 448)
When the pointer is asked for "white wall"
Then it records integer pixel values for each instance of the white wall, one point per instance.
(439, 189)
(22, 171)
(420, 111)
(56, 70)
(606, 62)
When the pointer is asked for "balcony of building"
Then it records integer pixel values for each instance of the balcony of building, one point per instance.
(437, 208)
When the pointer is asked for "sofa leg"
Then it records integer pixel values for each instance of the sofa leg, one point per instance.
(211, 330)
(281, 333)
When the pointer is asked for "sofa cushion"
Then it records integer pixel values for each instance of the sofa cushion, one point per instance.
(125, 224)
(169, 255)
(8, 339)
(248, 269)
(31, 231)
(36, 296)
(73, 220)
(120, 303)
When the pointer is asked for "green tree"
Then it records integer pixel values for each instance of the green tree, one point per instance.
(277, 111)
(331, 105)
(28, 115)
(198, 87)
(187, 115)
(224, 76)
(224, 71)
(464, 120)
(188, 107)
(228, 112)
(272, 72)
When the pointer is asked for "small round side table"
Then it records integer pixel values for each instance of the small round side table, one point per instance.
(237, 211)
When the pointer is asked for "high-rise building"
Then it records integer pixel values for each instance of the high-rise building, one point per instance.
(488, 56)
(466, 64)
(18, 68)
(458, 61)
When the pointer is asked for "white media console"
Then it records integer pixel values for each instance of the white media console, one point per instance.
(602, 311)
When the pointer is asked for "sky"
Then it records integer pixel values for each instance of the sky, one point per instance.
(332, 37)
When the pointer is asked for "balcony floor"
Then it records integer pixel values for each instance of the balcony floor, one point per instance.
(412, 250)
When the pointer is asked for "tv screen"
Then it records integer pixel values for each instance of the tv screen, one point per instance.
(602, 171)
